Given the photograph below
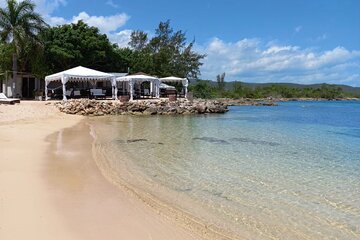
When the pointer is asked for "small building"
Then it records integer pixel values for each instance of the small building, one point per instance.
(24, 87)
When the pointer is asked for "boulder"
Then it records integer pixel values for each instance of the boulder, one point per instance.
(201, 108)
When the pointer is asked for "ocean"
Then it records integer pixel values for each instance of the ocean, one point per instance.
(285, 172)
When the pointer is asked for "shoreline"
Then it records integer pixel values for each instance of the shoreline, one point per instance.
(25, 212)
(167, 210)
(51, 190)
(117, 212)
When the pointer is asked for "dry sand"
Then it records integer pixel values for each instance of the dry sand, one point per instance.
(50, 187)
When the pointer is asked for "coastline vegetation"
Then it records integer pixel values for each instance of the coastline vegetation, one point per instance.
(209, 89)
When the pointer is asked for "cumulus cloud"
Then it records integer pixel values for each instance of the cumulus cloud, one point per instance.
(106, 24)
(109, 25)
(54, 21)
(122, 38)
(252, 60)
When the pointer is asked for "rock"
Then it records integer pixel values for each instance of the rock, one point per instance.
(161, 107)
(201, 108)
(151, 111)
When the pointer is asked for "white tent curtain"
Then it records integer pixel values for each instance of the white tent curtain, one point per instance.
(183, 81)
(132, 79)
(79, 74)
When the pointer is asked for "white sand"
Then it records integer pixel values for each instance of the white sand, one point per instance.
(63, 196)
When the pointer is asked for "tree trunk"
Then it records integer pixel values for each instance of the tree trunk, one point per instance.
(14, 78)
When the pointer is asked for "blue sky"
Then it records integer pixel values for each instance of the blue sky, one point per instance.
(303, 41)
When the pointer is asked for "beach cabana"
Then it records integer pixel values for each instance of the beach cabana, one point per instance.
(140, 78)
(79, 74)
(172, 79)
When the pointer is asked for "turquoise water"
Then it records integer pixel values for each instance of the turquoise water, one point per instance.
(286, 172)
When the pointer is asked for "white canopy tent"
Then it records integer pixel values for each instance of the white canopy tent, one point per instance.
(79, 74)
(165, 86)
(172, 79)
(132, 79)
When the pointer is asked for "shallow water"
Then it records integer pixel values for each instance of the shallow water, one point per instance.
(286, 172)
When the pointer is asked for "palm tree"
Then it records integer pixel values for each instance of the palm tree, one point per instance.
(19, 23)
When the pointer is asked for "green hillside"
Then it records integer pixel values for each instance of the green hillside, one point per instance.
(235, 89)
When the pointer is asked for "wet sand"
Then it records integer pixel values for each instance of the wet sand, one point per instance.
(51, 188)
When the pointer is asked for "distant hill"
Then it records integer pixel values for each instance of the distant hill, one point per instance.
(230, 85)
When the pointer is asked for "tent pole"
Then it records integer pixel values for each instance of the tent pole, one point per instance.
(46, 91)
(63, 81)
(64, 92)
(131, 90)
(157, 89)
(115, 88)
(151, 88)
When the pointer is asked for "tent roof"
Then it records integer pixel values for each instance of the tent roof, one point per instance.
(172, 79)
(184, 81)
(136, 78)
(118, 74)
(163, 85)
(140, 73)
(79, 73)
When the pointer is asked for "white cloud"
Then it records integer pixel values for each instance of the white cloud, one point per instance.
(112, 4)
(252, 60)
(44, 7)
(122, 38)
(106, 24)
(53, 21)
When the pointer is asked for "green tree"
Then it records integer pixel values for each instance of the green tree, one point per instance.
(139, 40)
(77, 44)
(202, 89)
(167, 53)
(5, 57)
(124, 56)
(330, 91)
(19, 24)
(221, 82)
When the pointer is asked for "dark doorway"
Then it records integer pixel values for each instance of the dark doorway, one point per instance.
(28, 87)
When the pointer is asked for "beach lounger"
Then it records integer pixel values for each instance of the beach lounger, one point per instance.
(6, 100)
(68, 93)
(77, 94)
(97, 93)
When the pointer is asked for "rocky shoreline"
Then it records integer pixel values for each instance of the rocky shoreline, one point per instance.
(89, 107)
(247, 102)
(274, 101)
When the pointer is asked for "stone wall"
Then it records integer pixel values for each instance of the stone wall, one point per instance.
(144, 107)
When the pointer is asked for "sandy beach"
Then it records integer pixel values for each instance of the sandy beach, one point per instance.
(50, 187)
